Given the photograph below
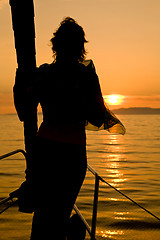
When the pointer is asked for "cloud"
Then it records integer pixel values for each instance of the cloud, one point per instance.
(144, 101)
(155, 98)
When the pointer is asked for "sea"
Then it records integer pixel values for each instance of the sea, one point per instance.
(129, 164)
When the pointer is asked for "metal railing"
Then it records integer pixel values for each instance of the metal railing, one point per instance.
(13, 153)
(91, 230)
(11, 196)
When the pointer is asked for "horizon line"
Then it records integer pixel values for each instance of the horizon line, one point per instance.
(113, 109)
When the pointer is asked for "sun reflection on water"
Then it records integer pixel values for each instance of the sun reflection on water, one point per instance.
(121, 215)
(114, 139)
(113, 169)
(110, 233)
(113, 160)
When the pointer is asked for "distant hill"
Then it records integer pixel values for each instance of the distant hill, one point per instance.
(137, 110)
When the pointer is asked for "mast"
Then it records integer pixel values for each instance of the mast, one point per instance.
(24, 35)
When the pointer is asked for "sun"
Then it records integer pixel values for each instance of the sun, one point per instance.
(114, 99)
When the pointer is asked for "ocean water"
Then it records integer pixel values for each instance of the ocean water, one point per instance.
(130, 163)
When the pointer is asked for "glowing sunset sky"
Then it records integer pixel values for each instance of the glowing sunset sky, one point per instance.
(124, 43)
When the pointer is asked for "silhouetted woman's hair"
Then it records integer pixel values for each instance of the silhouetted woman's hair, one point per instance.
(68, 40)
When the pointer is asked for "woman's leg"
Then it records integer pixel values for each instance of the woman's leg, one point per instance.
(59, 172)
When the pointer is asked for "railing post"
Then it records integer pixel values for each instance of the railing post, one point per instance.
(95, 205)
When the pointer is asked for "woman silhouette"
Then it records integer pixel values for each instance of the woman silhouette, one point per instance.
(70, 96)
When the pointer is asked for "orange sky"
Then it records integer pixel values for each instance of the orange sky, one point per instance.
(124, 43)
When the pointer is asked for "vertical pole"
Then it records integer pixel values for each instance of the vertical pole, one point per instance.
(22, 12)
(24, 34)
(95, 205)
